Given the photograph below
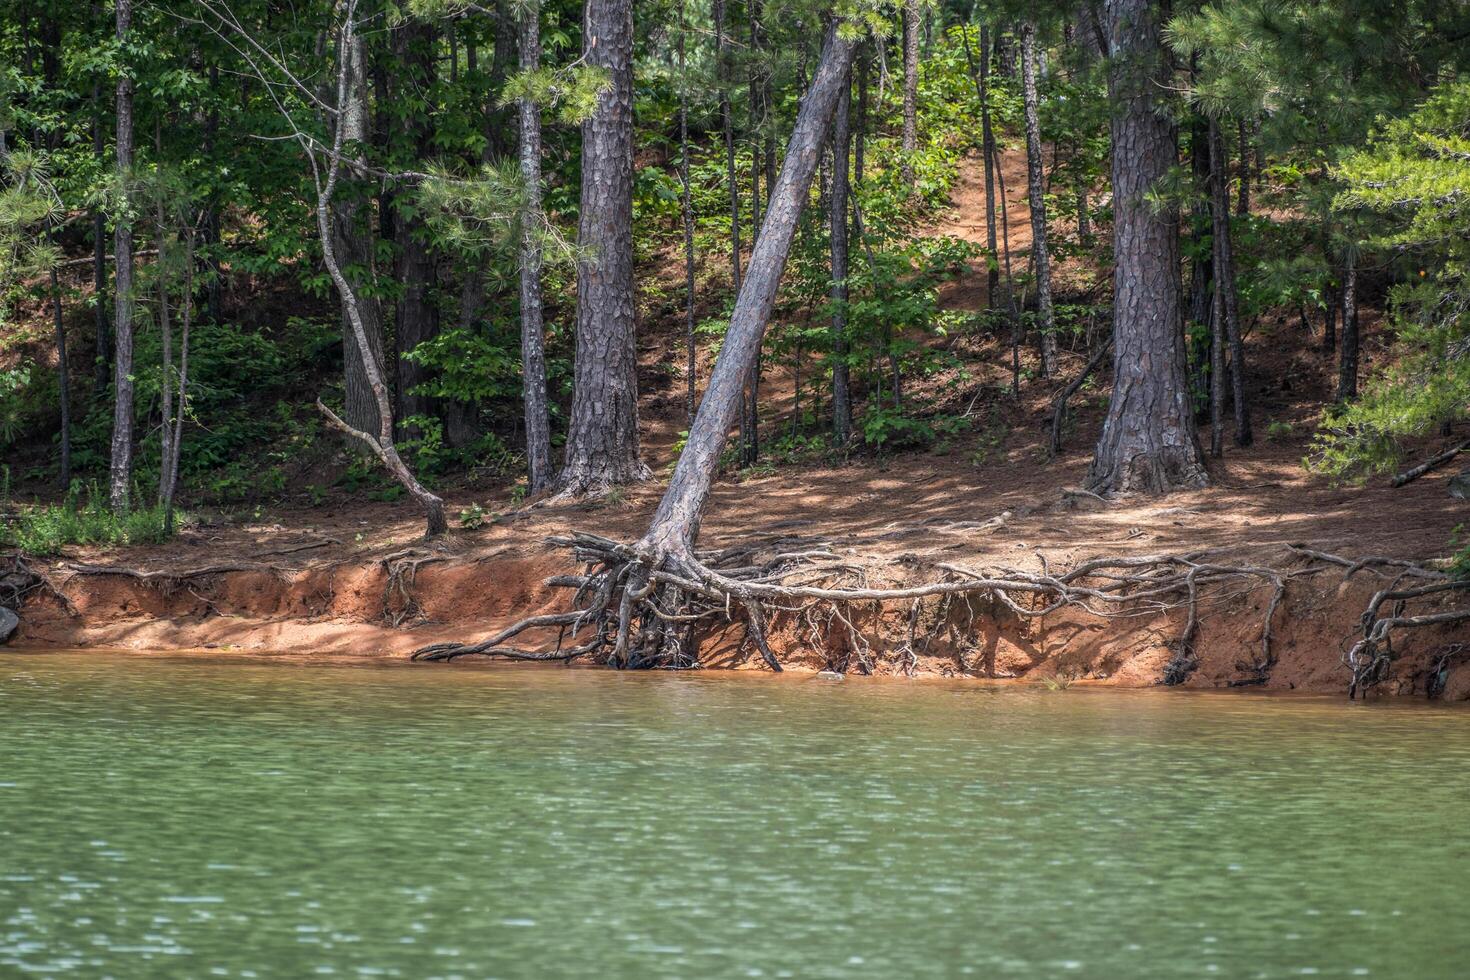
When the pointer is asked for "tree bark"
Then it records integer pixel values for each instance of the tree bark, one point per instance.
(1225, 293)
(1347, 365)
(349, 73)
(1243, 202)
(1149, 443)
(910, 144)
(728, 125)
(121, 476)
(63, 381)
(602, 442)
(353, 245)
(841, 392)
(675, 525)
(1036, 196)
(987, 151)
(686, 207)
(417, 315)
(103, 362)
(541, 469)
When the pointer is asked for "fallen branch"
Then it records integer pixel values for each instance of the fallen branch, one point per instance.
(1433, 463)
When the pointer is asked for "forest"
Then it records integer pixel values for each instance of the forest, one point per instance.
(974, 331)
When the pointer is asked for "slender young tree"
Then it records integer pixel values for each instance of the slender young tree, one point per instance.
(63, 381)
(602, 439)
(1347, 364)
(910, 144)
(1036, 196)
(415, 55)
(1225, 292)
(727, 124)
(686, 207)
(1149, 443)
(533, 340)
(121, 476)
(354, 246)
(837, 202)
(987, 151)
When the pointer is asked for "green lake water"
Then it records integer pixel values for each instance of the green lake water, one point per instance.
(165, 817)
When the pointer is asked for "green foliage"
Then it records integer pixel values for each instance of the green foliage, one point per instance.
(1415, 177)
(81, 519)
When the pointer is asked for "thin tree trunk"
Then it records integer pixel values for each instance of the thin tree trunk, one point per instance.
(728, 125)
(602, 440)
(103, 357)
(417, 315)
(1036, 196)
(121, 476)
(750, 415)
(1243, 202)
(171, 460)
(1347, 365)
(675, 525)
(1149, 443)
(1225, 294)
(541, 469)
(1201, 263)
(910, 144)
(841, 392)
(987, 152)
(166, 384)
(63, 380)
(687, 208)
(353, 244)
(349, 97)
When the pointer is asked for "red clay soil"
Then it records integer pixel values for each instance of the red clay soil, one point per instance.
(356, 581)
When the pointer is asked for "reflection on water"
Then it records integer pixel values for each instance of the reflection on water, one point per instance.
(162, 817)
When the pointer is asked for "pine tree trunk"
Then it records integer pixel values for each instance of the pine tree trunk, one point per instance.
(841, 392)
(686, 207)
(1347, 365)
(987, 151)
(121, 476)
(415, 270)
(1149, 443)
(1036, 195)
(103, 357)
(541, 469)
(727, 123)
(1225, 293)
(675, 525)
(602, 440)
(1243, 202)
(910, 144)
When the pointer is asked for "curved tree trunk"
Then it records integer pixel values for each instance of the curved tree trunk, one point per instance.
(121, 475)
(1149, 443)
(602, 441)
(841, 392)
(675, 525)
(348, 93)
(1036, 197)
(533, 339)
(352, 241)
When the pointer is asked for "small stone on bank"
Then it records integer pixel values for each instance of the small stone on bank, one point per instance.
(8, 624)
(1460, 486)
(828, 675)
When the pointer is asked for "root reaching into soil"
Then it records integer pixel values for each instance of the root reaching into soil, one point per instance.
(634, 612)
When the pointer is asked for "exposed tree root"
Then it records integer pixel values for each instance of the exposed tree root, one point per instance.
(635, 613)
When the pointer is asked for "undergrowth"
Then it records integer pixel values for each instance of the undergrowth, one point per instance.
(83, 517)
